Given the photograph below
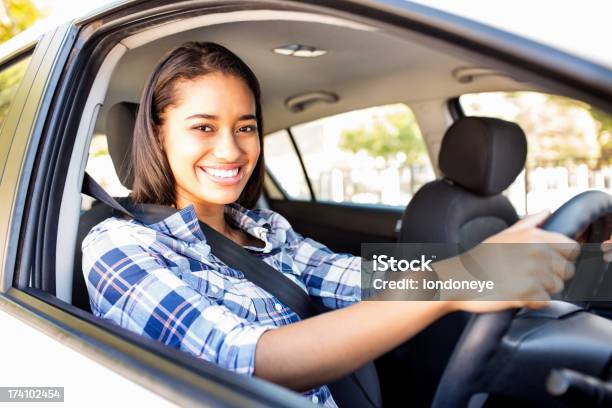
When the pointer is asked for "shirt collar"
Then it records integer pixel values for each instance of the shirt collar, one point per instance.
(254, 224)
(184, 225)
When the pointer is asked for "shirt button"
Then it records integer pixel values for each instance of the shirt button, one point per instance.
(315, 399)
(278, 307)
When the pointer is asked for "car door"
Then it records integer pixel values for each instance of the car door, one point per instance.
(66, 347)
(25, 75)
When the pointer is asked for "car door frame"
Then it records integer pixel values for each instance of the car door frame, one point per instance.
(19, 147)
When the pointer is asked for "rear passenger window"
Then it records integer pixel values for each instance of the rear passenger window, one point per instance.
(569, 145)
(10, 78)
(284, 165)
(369, 156)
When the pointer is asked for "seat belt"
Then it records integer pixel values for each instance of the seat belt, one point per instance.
(355, 389)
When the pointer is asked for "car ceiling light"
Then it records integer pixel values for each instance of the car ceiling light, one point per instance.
(300, 50)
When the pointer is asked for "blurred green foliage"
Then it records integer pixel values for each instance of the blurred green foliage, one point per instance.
(604, 122)
(386, 137)
(16, 16)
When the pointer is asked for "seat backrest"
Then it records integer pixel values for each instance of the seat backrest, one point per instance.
(479, 157)
(120, 122)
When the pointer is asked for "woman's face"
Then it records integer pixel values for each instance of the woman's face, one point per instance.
(210, 138)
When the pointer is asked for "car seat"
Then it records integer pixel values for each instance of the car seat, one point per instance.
(479, 158)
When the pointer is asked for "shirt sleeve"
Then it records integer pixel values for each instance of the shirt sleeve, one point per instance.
(131, 285)
(333, 278)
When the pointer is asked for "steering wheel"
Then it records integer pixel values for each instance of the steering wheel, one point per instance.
(463, 375)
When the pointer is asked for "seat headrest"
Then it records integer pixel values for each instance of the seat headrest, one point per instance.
(120, 121)
(483, 155)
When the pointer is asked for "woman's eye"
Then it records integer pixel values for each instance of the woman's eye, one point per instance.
(204, 128)
(248, 129)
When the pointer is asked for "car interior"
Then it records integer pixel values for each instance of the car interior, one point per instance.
(365, 64)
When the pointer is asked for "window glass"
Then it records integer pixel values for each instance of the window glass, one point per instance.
(569, 145)
(372, 156)
(10, 78)
(284, 165)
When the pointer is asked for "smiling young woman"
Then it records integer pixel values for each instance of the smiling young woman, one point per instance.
(198, 148)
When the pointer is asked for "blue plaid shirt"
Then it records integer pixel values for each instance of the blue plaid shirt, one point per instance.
(162, 281)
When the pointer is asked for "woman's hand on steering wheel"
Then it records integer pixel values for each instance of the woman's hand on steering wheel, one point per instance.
(524, 275)
(533, 275)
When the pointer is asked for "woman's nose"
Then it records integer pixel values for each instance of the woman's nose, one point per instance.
(226, 147)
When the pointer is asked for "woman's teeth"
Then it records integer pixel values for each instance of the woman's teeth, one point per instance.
(222, 173)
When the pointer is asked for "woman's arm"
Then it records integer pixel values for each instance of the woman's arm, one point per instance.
(326, 347)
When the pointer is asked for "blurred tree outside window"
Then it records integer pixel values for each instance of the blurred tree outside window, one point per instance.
(16, 16)
(569, 145)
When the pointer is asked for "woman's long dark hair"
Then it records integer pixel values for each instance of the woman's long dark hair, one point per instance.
(154, 182)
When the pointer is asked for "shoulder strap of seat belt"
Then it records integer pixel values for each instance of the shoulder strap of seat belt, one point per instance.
(261, 274)
(233, 255)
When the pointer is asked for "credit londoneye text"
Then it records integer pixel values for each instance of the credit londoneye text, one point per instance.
(386, 263)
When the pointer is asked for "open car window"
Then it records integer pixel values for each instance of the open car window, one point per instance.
(283, 163)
